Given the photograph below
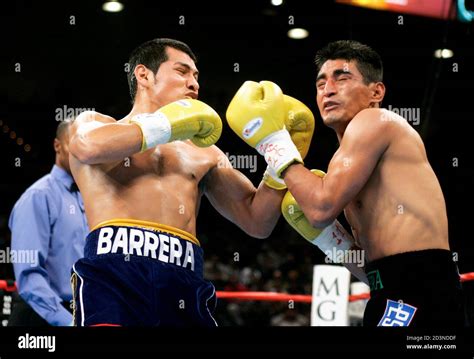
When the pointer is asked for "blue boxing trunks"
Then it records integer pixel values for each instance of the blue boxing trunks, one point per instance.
(416, 289)
(137, 273)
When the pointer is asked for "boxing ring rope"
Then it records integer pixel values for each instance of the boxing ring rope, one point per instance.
(10, 286)
(302, 298)
(7, 285)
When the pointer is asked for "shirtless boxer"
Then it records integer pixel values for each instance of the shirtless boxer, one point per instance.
(380, 176)
(142, 179)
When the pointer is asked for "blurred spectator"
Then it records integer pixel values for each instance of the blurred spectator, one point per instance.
(289, 318)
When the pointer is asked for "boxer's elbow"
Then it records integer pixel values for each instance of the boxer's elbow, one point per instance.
(257, 230)
(321, 221)
(85, 151)
(259, 234)
(322, 214)
(262, 233)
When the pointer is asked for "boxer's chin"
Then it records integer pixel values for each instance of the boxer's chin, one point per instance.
(331, 120)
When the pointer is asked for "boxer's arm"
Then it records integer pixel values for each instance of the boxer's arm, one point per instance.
(322, 199)
(232, 194)
(99, 139)
(96, 139)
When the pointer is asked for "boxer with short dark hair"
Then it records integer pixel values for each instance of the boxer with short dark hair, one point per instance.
(381, 178)
(142, 180)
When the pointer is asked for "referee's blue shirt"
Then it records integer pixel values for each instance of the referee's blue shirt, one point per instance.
(49, 228)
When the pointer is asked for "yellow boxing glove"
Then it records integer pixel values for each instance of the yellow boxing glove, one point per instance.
(330, 239)
(300, 124)
(180, 120)
(257, 114)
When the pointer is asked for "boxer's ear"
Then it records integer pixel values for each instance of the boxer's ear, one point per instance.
(377, 93)
(57, 145)
(142, 75)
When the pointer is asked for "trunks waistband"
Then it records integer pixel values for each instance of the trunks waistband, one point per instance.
(412, 268)
(152, 226)
(162, 243)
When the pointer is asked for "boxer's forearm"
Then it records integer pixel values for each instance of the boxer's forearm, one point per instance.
(256, 212)
(107, 143)
(233, 195)
(265, 209)
(310, 194)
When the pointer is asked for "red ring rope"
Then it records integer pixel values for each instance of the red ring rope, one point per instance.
(10, 286)
(303, 298)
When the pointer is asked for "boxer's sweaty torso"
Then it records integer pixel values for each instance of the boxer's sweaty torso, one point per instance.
(401, 207)
(161, 185)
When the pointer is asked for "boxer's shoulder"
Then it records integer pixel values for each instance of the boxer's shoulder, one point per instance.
(375, 116)
(88, 120)
(89, 116)
(373, 125)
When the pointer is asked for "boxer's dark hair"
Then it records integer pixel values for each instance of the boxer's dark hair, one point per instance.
(152, 54)
(368, 61)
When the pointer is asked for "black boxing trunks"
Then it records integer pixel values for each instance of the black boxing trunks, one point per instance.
(137, 273)
(417, 289)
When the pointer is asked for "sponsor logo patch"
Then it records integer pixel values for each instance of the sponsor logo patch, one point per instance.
(252, 127)
(397, 314)
(375, 280)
